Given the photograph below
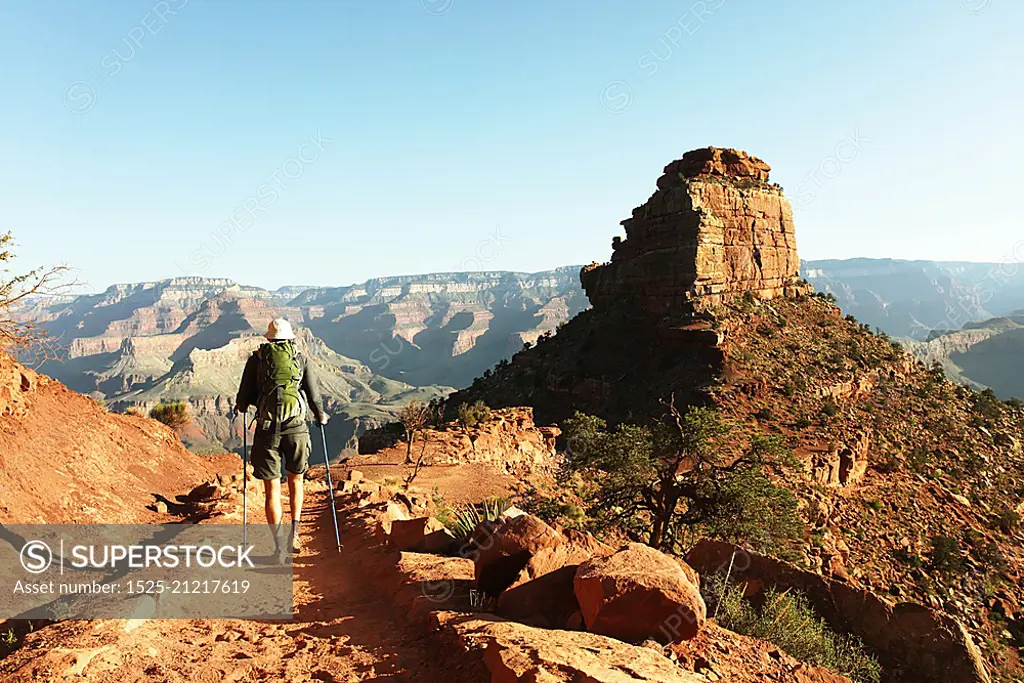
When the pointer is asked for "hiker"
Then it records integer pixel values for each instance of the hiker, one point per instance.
(281, 384)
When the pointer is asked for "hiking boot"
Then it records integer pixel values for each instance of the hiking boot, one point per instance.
(296, 542)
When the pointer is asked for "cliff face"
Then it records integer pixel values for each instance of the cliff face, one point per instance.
(917, 298)
(982, 355)
(714, 228)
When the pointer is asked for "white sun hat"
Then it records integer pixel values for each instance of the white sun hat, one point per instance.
(279, 330)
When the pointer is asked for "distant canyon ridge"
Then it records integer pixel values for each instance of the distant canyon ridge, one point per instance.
(386, 341)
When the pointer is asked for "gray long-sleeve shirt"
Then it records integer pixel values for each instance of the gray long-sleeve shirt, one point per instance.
(249, 391)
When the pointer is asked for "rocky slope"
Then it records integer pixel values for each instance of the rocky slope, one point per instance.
(897, 460)
(64, 459)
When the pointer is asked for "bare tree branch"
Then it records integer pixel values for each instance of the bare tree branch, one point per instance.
(19, 334)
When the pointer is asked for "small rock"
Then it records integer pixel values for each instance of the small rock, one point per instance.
(355, 476)
(204, 492)
(960, 499)
(161, 507)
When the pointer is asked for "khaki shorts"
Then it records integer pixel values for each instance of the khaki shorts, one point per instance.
(268, 452)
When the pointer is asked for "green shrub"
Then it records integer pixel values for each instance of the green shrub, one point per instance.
(555, 511)
(472, 414)
(945, 554)
(788, 621)
(174, 415)
(988, 405)
(9, 642)
(750, 509)
(908, 558)
(919, 461)
(829, 408)
(1008, 521)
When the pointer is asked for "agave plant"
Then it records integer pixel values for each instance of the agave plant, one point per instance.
(465, 518)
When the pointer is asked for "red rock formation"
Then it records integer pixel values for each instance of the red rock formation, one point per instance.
(508, 439)
(714, 227)
(639, 594)
(507, 552)
(16, 386)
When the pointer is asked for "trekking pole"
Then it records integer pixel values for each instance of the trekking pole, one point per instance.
(330, 486)
(245, 480)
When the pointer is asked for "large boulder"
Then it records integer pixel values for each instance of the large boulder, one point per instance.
(503, 553)
(546, 602)
(543, 594)
(638, 594)
(576, 548)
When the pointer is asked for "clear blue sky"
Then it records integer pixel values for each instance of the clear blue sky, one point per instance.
(474, 134)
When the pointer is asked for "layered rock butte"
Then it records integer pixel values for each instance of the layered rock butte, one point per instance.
(702, 302)
(715, 227)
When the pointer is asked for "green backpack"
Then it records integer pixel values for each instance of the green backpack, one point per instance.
(280, 375)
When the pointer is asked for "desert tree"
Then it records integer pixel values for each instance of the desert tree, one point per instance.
(654, 482)
(417, 465)
(414, 417)
(18, 334)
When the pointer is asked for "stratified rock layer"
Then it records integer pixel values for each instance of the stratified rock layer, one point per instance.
(714, 228)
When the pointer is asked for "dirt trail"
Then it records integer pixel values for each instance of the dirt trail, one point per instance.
(344, 629)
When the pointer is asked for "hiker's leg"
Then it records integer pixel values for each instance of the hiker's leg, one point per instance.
(272, 489)
(266, 465)
(295, 449)
(295, 496)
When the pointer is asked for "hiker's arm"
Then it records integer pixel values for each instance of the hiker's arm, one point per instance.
(312, 389)
(247, 389)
